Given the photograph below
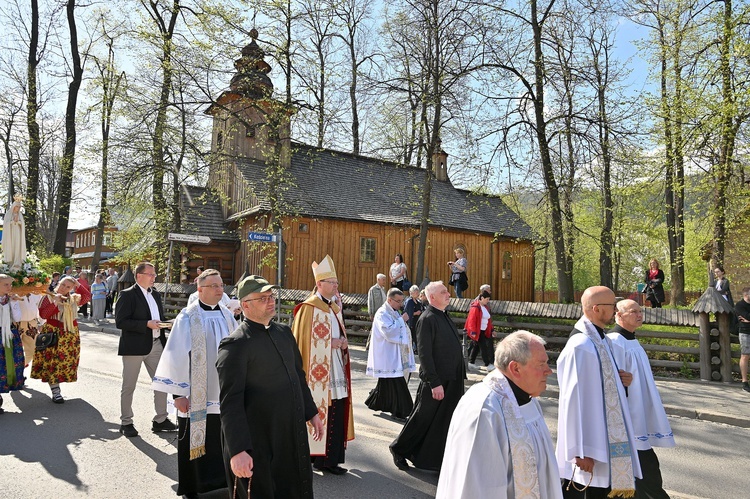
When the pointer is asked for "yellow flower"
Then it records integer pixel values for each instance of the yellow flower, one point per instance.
(25, 280)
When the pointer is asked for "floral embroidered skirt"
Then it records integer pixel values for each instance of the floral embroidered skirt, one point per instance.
(58, 364)
(12, 364)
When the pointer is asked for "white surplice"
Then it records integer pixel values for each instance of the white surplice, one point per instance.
(581, 419)
(390, 354)
(478, 462)
(650, 424)
(173, 372)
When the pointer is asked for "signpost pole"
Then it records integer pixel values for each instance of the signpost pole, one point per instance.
(278, 279)
(166, 280)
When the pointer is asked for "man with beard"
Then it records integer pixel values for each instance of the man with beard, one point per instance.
(595, 445)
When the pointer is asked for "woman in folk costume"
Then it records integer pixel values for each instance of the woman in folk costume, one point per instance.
(29, 323)
(321, 337)
(59, 364)
(11, 352)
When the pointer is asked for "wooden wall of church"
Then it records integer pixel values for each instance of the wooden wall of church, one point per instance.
(309, 239)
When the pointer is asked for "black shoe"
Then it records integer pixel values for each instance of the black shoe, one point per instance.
(165, 425)
(58, 399)
(191, 495)
(128, 430)
(399, 461)
(745, 386)
(336, 470)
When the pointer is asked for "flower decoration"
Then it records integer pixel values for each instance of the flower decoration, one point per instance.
(29, 274)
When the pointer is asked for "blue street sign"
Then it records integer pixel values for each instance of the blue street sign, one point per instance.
(263, 237)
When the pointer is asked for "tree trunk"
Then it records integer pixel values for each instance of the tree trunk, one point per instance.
(66, 177)
(35, 144)
(161, 214)
(723, 170)
(564, 272)
(110, 90)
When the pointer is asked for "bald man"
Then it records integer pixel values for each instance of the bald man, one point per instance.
(595, 445)
(650, 424)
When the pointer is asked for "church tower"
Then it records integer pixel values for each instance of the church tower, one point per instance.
(248, 124)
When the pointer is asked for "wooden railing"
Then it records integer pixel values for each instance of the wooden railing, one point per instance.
(553, 322)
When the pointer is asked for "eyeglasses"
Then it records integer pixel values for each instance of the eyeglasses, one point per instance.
(150, 275)
(212, 286)
(397, 301)
(602, 304)
(335, 283)
(262, 299)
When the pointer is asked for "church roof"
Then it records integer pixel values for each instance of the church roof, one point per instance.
(332, 184)
(202, 214)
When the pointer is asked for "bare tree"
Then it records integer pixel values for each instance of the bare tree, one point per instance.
(67, 164)
(110, 84)
(354, 15)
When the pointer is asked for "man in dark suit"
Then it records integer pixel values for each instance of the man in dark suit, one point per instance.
(138, 313)
(441, 374)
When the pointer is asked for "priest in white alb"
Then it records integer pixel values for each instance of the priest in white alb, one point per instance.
(187, 369)
(390, 358)
(498, 443)
(595, 443)
(650, 424)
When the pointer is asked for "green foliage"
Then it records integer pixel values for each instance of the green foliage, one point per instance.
(54, 263)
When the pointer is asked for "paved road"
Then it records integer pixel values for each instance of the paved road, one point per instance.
(74, 450)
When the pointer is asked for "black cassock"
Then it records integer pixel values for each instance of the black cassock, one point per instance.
(265, 403)
(422, 439)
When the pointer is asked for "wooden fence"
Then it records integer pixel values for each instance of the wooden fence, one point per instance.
(551, 321)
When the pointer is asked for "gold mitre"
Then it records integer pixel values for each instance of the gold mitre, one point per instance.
(324, 270)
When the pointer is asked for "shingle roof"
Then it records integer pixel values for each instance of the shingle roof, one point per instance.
(202, 215)
(332, 184)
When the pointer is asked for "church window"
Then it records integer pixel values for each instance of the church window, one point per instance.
(507, 261)
(367, 249)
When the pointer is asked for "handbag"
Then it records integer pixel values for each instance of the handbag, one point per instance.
(405, 284)
(46, 340)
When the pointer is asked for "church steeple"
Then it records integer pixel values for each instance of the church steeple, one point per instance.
(251, 79)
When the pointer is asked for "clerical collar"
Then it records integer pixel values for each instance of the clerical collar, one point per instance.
(628, 335)
(208, 307)
(522, 397)
(145, 290)
(325, 300)
(258, 325)
(598, 330)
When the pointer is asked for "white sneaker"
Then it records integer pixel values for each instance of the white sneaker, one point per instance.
(473, 366)
(490, 368)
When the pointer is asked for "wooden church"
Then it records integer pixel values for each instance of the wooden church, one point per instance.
(331, 202)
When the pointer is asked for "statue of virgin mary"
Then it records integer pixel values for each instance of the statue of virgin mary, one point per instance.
(14, 235)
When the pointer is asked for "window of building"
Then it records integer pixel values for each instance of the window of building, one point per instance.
(78, 240)
(219, 140)
(93, 238)
(507, 265)
(367, 250)
(303, 227)
(107, 239)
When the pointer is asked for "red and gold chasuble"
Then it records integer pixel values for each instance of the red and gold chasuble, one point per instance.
(312, 330)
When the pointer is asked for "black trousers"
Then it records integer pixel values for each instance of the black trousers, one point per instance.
(651, 485)
(484, 344)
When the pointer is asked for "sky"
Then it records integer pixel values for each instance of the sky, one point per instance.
(84, 212)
